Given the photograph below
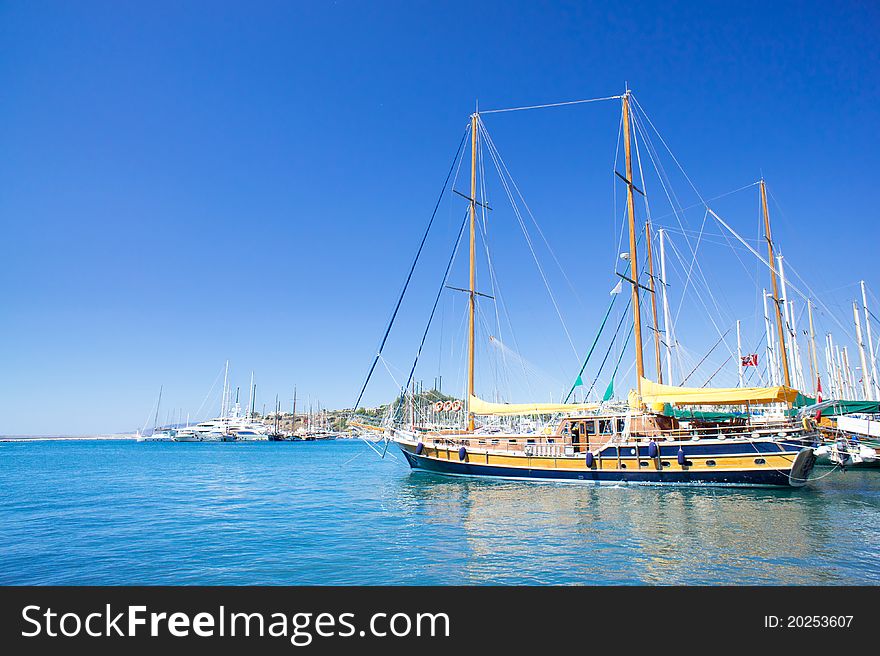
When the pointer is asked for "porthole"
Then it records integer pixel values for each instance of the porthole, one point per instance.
(710, 463)
(664, 463)
(643, 464)
(760, 461)
(623, 465)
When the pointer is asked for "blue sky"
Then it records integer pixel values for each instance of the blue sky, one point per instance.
(185, 183)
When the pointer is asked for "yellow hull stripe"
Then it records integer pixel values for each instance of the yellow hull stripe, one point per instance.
(722, 463)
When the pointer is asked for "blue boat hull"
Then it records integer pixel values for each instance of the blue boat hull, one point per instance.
(741, 478)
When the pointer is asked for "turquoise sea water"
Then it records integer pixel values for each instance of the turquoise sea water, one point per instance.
(119, 512)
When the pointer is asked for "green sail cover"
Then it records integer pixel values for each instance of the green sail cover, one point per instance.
(803, 400)
(687, 413)
(850, 407)
(609, 391)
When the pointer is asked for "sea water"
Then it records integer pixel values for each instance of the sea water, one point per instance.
(329, 513)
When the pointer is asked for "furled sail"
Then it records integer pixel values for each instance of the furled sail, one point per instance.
(480, 407)
(656, 393)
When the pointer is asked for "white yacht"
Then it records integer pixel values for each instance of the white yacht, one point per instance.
(233, 427)
(187, 434)
(158, 435)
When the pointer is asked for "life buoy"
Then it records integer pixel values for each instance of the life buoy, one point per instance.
(808, 424)
(447, 406)
(456, 406)
(438, 406)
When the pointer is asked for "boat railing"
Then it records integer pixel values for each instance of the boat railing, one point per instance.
(556, 445)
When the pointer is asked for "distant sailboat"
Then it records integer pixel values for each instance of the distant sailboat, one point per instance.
(157, 434)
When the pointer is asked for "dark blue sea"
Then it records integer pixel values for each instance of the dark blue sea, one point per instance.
(327, 513)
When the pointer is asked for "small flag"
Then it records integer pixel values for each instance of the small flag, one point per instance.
(579, 382)
(818, 396)
(750, 360)
(609, 391)
(617, 288)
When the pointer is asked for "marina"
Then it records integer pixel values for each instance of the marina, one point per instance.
(438, 295)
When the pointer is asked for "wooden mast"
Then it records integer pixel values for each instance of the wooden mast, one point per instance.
(814, 363)
(667, 324)
(653, 301)
(633, 261)
(772, 261)
(473, 267)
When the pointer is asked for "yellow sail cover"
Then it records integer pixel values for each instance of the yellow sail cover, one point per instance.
(480, 407)
(656, 393)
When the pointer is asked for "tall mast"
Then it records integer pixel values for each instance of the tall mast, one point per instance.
(158, 403)
(772, 261)
(796, 348)
(667, 327)
(874, 380)
(797, 351)
(225, 380)
(829, 367)
(787, 347)
(653, 302)
(412, 407)
(251, 396)
(814, 362)
(739, 354)
(866, 378)
(633, 260)
(293, 421)
(771, 352)
(835, 367)
(847, 373)
(841, 373)
(475, 117)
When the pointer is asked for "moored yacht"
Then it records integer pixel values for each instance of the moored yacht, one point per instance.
(741, 436)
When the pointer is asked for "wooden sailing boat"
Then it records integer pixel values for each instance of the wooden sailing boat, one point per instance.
(639, 441)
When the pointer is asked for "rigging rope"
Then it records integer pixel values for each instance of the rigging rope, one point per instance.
(721, 339)
(494, 152)
(610, 346)
(590, 353)
(412, 269)
(437, 300)
(558, 104)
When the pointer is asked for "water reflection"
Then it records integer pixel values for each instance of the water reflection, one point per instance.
(513, 531)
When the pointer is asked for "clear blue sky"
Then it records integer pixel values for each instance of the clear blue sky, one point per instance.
(186, 182)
